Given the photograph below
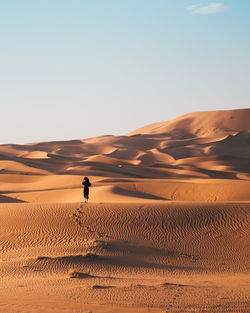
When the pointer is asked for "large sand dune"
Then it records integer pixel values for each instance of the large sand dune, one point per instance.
(204, 145)
(165, 229)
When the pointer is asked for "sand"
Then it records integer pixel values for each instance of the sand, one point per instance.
(169, 257)
(165, 230)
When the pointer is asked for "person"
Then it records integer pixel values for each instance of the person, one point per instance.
(86, 183)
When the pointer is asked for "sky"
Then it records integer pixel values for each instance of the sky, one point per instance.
(74, 69)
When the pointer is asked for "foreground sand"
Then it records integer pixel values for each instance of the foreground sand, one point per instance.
(127, 257)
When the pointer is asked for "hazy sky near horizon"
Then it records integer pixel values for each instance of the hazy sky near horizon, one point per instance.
(72, 69)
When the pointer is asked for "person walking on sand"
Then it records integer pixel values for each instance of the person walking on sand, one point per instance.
(86, 183)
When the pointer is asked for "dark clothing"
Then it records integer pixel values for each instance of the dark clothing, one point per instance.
(86, 185)
(86, 192)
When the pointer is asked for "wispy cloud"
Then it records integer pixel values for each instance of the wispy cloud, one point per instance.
(212, 8)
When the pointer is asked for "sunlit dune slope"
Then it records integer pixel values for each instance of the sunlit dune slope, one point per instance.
(65, 188)
(202, 124)
(203, 146)
(133, 255)
(190, 231)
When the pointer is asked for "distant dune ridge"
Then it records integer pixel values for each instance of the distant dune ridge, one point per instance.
(202, 124)
(202, 145)
(165, 230)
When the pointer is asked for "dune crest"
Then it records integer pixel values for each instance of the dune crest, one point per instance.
(201, 124)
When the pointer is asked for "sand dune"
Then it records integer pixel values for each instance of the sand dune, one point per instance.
(133, 255)
(218, 149)
(223, 135)
(165, 229)
(201, 124)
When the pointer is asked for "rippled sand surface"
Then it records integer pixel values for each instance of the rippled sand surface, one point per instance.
(158, 257)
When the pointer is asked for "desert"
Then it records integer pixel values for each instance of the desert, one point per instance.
(165, 228)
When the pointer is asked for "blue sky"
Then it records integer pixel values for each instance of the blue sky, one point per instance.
(73, 69)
